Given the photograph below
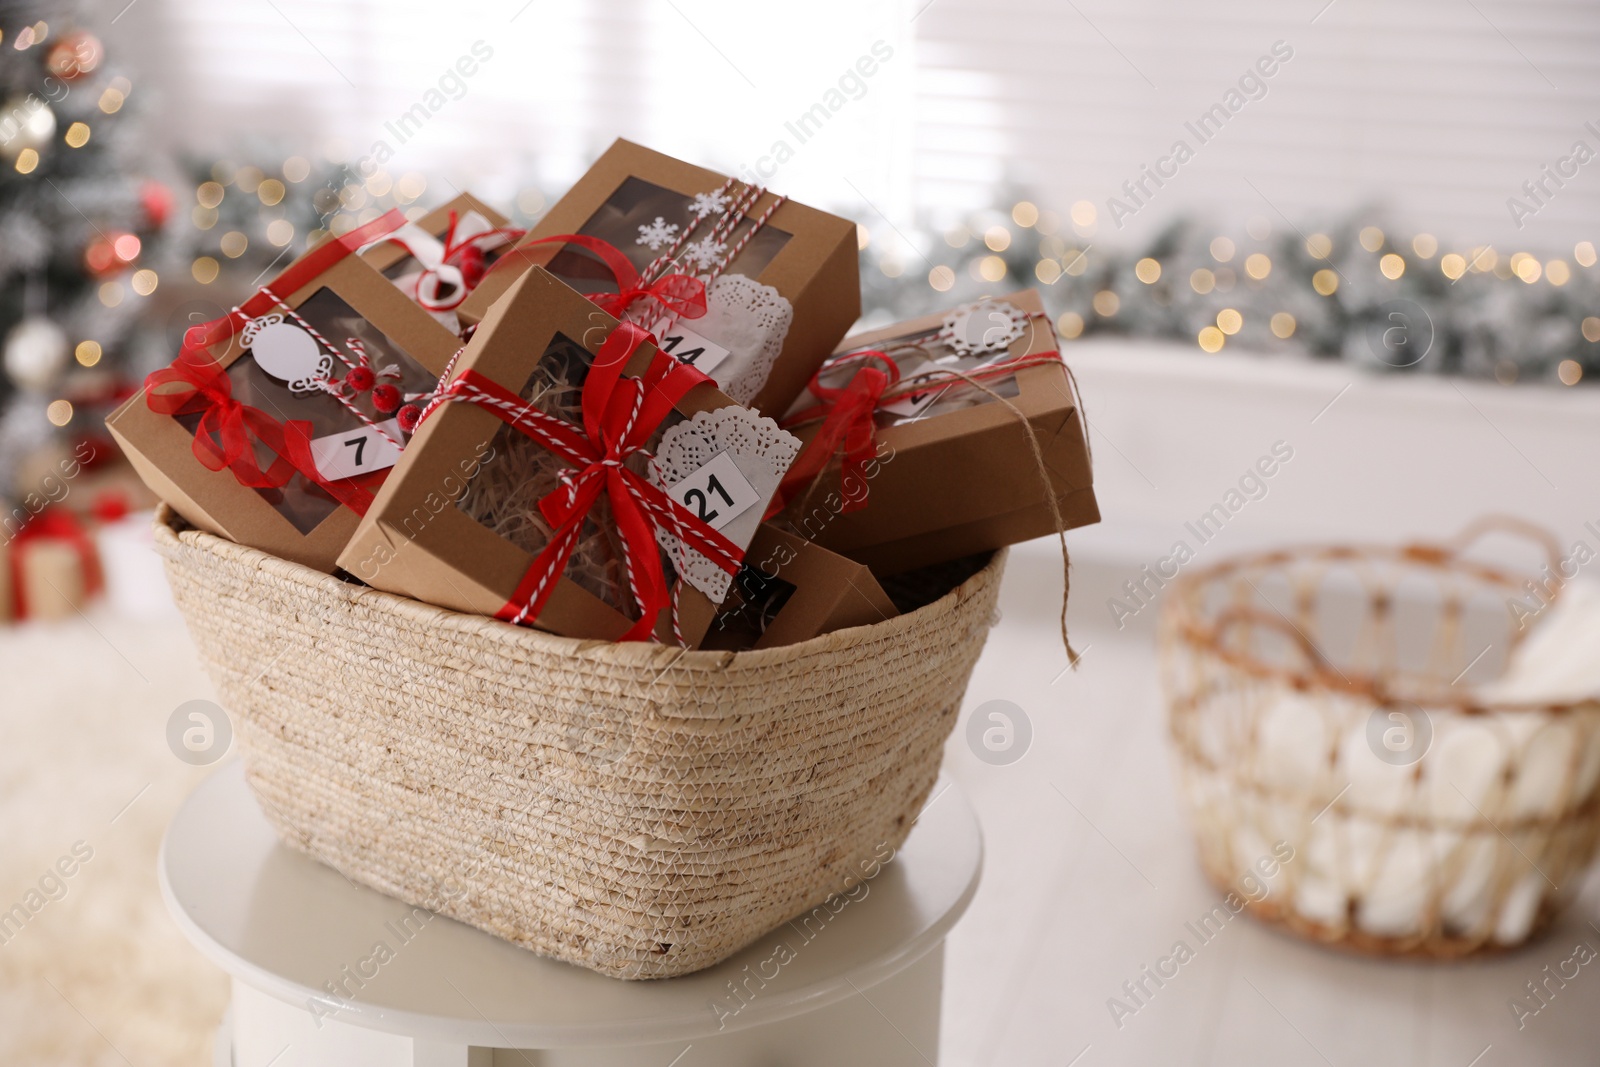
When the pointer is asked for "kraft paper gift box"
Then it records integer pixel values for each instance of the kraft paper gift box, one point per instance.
(440, 258)
(775, 309)
(464, 522)
(790, 590)
(52, 568)
(954, 472)
(247, 388)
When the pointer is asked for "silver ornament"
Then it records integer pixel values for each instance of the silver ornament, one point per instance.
(36, 353)
(29, 122)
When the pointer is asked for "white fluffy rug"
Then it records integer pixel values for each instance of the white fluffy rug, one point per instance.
(99, 974)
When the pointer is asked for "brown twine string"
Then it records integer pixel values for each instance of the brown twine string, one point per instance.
(1039, 465)
(1049, 492)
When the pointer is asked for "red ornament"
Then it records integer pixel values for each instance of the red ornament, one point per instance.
(157, 201)
(110, 253)
(360, 379)
(77, 53)
(386, 398)
(100, 259)
(409, 416)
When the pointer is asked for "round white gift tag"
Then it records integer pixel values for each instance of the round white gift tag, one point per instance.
(286, 352)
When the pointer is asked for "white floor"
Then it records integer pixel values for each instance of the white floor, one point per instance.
(99, 977)
(1090, 876)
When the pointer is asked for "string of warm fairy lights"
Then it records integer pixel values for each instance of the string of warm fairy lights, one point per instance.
(1272, 289)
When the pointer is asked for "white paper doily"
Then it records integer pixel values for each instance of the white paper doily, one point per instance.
(751, 321)
(760, 450)
(983, 327)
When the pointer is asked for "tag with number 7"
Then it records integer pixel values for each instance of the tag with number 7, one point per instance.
(358, 451)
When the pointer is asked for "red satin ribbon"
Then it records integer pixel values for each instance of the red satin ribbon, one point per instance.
(229, 429)
(52, 524)
(620, 414)
(680, 295)
(849, 425)
(848, 415)
(299, 274)
(196, 382)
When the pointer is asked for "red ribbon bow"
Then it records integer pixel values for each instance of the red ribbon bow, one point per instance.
(849, 425)
(619, 416)
(224, 435)
(229, 430)
(848, 416)
(678, 295)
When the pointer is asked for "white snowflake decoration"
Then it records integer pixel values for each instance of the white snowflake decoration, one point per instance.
(658, 233)
(708, 204)
(704, 254)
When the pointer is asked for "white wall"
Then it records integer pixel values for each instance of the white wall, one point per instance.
(1440, 108)
(1375, 458)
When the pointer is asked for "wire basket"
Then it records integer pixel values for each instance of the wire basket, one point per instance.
(1329, 699)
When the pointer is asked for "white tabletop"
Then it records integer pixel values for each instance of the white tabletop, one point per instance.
(288, 925)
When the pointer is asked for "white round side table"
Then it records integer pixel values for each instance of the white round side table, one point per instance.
(326, 972)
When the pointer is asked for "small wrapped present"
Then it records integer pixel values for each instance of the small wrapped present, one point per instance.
(572, 476)
(52, 569)
(781, 279)
(276, 423)
(789, 590)
(439, 259)
(941, 437)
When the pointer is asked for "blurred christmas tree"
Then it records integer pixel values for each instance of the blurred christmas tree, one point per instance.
(79, 230)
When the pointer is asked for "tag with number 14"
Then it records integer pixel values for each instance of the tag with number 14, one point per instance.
(690, 348)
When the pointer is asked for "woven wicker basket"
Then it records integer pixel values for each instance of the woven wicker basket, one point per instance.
(1283, 707)
(638, 810)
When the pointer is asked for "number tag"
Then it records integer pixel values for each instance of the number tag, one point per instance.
(353, 452)
(701, 353)
(910, 405)
(717, 493)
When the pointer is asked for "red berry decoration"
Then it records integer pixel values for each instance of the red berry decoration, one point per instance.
(360, 379)
(409, 416)
(471, 261)
(386, 398)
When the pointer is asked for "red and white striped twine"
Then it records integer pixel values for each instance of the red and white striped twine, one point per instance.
(327, 385)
